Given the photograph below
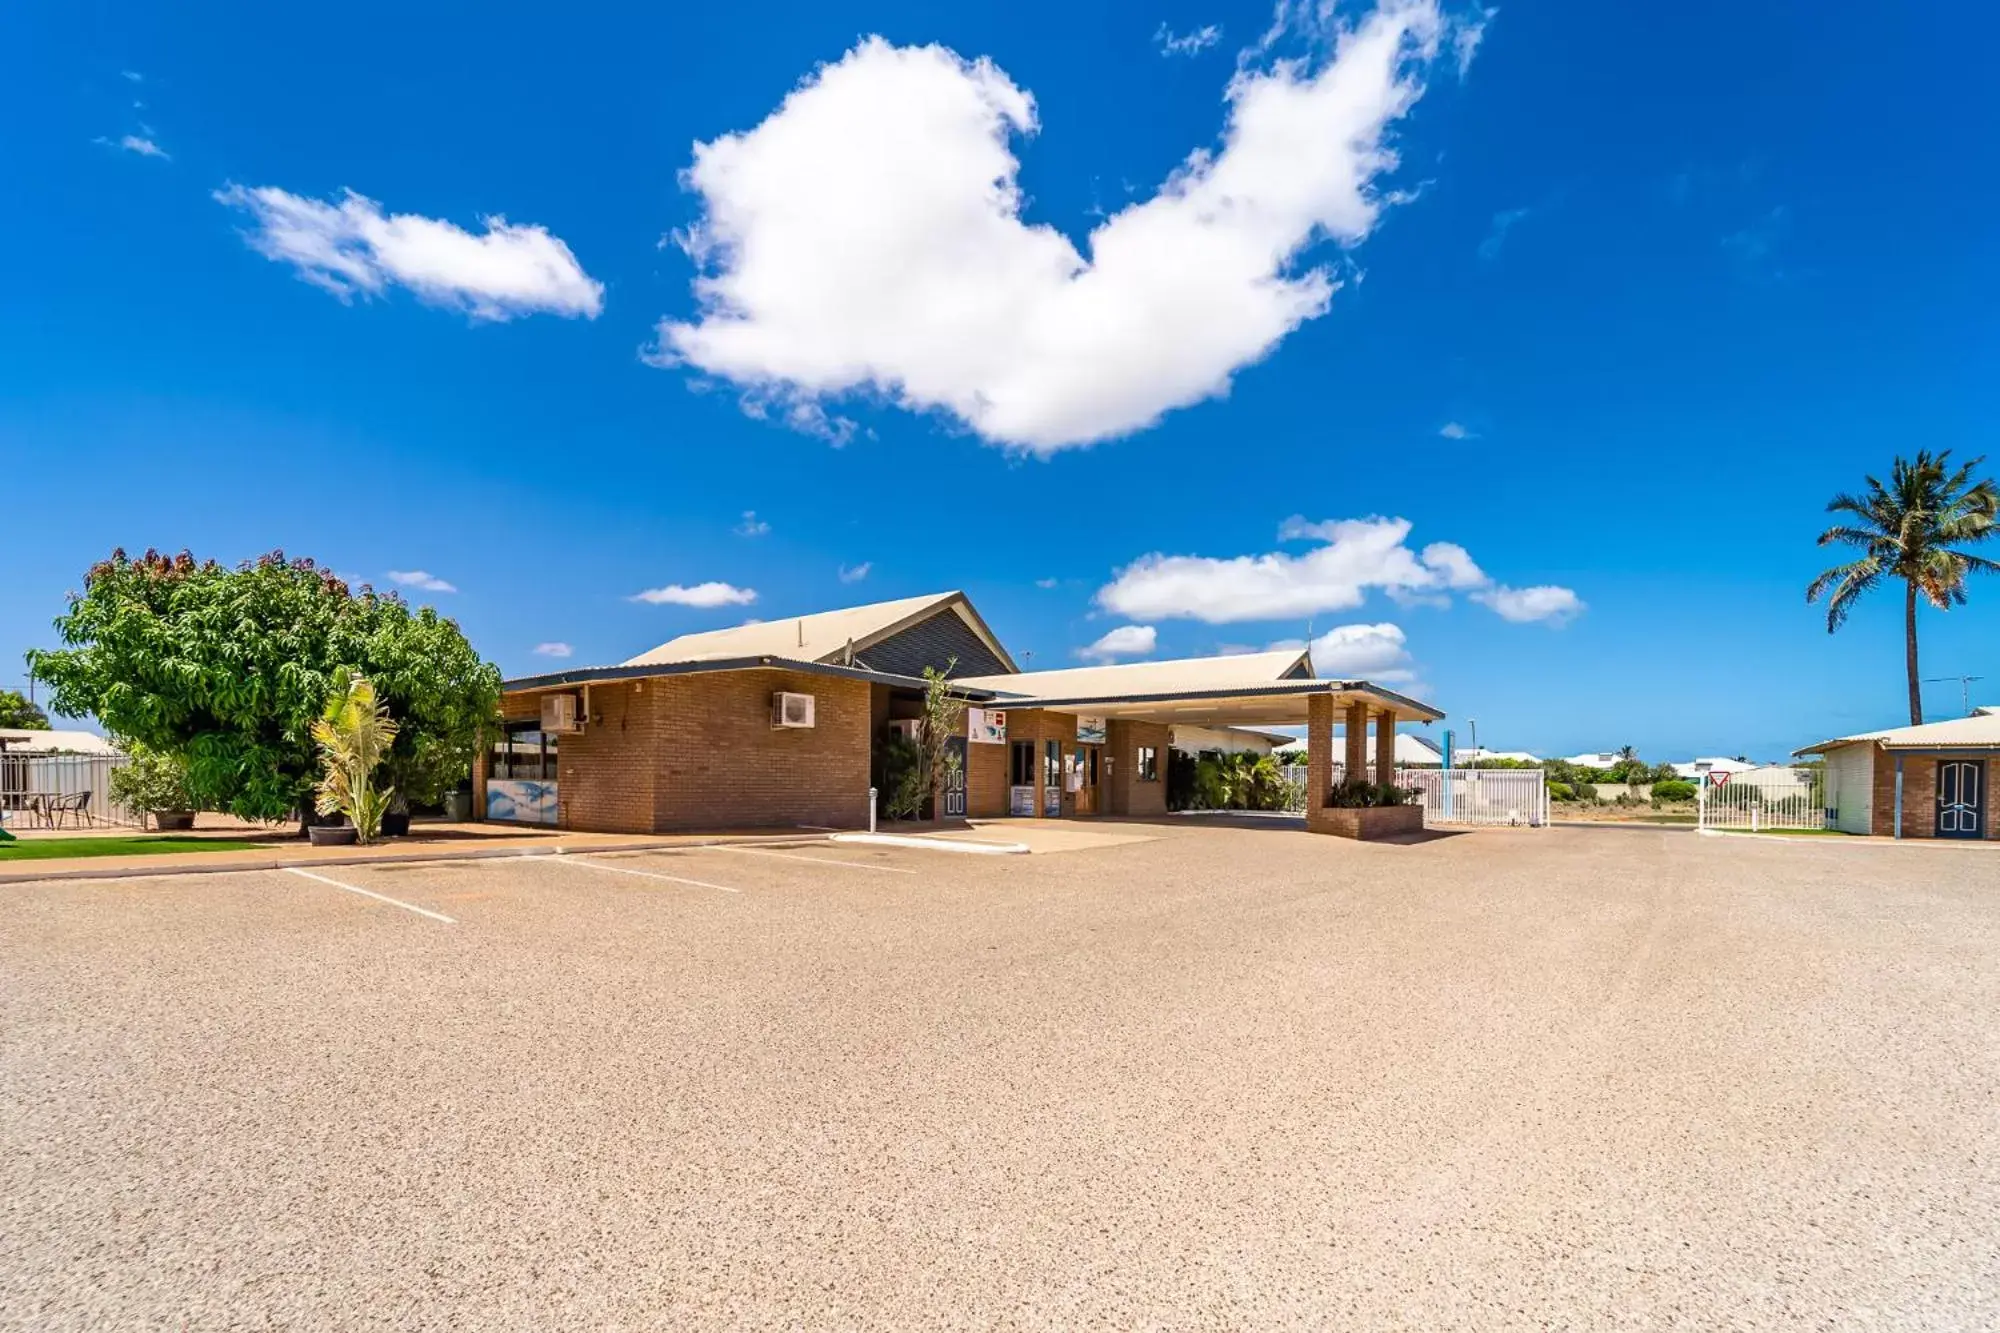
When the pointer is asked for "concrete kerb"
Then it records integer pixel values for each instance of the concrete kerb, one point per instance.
(108, 867)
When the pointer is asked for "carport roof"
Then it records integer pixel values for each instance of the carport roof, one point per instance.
(1251, 689)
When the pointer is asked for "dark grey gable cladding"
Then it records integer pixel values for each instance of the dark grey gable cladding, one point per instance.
(933, 641)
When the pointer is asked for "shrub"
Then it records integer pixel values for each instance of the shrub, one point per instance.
(1561, 791)
(153, 780)
(1586, 791)
(1359, 794)
(1673, 789)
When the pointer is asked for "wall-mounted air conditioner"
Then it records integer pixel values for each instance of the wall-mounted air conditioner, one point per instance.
(560, 713)
(910, 729)
(791, 710)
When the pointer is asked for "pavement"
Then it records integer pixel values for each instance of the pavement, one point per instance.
(1220, 1078)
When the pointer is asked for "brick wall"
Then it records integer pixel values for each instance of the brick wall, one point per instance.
(698, 751)
(987, 769)
(1124, 793)
(1920, 794)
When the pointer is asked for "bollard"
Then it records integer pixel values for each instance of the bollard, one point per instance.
(871, 809)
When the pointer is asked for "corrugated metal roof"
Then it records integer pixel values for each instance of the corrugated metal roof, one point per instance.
(1979, 731)
(22, 740)
(1204, 675)
(823, 636)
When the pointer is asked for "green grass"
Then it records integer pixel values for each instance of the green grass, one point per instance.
(49, 849)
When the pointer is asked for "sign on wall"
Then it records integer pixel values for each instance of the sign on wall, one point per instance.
(1021, 800)
(986, 726)
(1089, 730)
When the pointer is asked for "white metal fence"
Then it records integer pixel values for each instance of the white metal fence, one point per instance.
(1494, 796)
(63, 790)
(1765, 798)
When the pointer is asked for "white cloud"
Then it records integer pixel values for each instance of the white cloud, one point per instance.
(1547, 602)
(138, 143)
(1353, 557)
(1496, 232)
(752, 526)
(554, 650)
(867, 237)
(701, 594)
(1172, 43)
(1046, 583)
(351, 246)
(857, 572)
(1125, 641)
(1452, 430)
(132, 75)
(1466, 35)
(419, 578)
(1370, 652)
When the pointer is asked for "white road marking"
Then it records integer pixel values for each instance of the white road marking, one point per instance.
(370, 893)
(644, 874)
(814, 860)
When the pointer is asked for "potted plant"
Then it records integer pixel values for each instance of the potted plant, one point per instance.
(154, 783)
(353, 735)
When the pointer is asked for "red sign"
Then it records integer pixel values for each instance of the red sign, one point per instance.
(1718, 778)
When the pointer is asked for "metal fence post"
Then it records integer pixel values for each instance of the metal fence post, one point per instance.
(871, 809)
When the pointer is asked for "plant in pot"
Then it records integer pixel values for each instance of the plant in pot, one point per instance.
(153, 782)
(353, 735)
(420, 768)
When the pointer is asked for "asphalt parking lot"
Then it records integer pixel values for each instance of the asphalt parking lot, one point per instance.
(1222, 1078)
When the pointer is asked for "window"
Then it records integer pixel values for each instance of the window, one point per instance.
(1023, 770)
(1052, 764)
(524, 751)
(1149, 764)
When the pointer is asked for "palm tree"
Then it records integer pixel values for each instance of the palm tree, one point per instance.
(353, 735)
(1913, 529)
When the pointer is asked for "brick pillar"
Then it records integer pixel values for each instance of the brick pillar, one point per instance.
(1357, 741)
(1385, 747)
(1319, 755)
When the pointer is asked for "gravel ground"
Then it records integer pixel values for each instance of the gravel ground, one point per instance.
(1222, 1079)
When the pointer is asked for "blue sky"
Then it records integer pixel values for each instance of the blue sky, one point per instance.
(1643, 289)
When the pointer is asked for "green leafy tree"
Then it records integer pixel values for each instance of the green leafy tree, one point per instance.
(1915, 529)
(944, 717)
(229, 668)
(17, 712)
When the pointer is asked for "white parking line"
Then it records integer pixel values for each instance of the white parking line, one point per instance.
(643, 874)
(813, 860)
(370, 893)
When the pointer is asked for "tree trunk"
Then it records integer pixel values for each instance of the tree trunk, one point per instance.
(1910, 653)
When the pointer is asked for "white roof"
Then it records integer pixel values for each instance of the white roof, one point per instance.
(23, 741)
(1183, 676)
(821, 637)
(1980, 731)
(1411, 750)
(1471, 754)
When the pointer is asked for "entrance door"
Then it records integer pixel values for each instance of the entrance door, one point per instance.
(1961, 798)
(1086, 768)
(954, 779)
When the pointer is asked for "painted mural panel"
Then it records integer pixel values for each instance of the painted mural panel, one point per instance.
(521, 801)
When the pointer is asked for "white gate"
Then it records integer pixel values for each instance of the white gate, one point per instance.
(1763, 798)
(1508, 796)
(1505, 796)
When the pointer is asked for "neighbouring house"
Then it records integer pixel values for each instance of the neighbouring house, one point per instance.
(1231, 740)
(1411, 752)
(1928, 781)
(1470, 755)
(1697, 769)
(779, 724)
(20, 740)
(1595, 759)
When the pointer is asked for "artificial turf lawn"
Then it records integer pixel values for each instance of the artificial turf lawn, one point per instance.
(48, 849)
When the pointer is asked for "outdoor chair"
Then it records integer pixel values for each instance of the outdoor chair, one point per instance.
(77, 808)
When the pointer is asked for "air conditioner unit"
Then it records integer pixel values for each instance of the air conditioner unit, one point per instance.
(909, 728)
(560, 714)
(791, 710)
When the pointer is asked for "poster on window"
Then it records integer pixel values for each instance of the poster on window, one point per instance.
(1021, 800)
(986, 726)
(1089, 730)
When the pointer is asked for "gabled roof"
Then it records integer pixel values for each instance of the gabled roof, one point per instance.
(1980, 731)
(824, 636)
(1184, 676)
(22, 740)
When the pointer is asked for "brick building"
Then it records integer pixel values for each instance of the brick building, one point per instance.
(780, 724)
(1928, 781)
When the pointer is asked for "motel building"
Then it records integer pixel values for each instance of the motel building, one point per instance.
(778, 724)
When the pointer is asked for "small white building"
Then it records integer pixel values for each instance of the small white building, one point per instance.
(1697, 769)
(1928, 781)
(1411, 752)
(21, 740)
(1470, 755)
(1596, 759)
(1230, 740)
